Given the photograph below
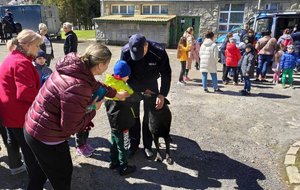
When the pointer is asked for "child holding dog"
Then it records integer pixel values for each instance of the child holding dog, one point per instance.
(121, 117)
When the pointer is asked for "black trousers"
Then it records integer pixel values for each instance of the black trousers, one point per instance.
(135, 131)
(36, 175)
(224, 77)
(54, 160)
(182, 71)
(12, 147)
(235, 74)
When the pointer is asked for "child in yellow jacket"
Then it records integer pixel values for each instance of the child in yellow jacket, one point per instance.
(121, 118)
(182, 55)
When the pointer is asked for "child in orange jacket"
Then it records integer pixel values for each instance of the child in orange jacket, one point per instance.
(182, 55)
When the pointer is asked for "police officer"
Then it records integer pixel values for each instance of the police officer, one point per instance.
(148, 61)
(8, 18)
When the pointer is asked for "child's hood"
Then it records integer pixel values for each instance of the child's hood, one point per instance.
(231, 47)
(118, 84)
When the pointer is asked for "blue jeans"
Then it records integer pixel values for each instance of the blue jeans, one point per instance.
(247, 85)
(214, 80)
(263, 61)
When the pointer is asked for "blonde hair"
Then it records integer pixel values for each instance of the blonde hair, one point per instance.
(190, 29)
(95, 54)
(43, 26)
(25, 37)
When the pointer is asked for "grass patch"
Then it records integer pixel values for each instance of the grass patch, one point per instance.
(83, 34)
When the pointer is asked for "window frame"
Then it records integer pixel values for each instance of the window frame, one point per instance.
(151, 9)
(269, 5)
(229, 12)
(119, 9)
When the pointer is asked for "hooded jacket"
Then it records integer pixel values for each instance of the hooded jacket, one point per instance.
(60, 108)
(284, 37)
(121, 115)
(288, 61)
(247, 63)
(232, 55)
(117, 84)
(208, 56)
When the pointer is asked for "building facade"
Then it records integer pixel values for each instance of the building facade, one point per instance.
(170, 18)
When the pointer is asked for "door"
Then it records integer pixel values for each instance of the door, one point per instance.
(183, 22)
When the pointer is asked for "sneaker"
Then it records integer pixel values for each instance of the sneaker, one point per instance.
(225, 82)
(218, 90)
(148, 152)
(127, 170)
(284, 86)
(89, 147)
(181, 83)
(235, 83)
(292, 86)
(83, 151)
(18, 170)
(206, 90)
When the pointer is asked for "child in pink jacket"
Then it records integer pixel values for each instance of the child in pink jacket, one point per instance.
(233, 56)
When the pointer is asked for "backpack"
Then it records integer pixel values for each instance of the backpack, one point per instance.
(287, 41)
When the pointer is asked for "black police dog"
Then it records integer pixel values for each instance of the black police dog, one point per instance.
(159, 125)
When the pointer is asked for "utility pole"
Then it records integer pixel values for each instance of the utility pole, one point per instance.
(259, 5)
(102, 7)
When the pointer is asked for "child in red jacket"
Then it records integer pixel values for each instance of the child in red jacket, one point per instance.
(233, 56)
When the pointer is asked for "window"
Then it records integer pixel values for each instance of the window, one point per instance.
(164, 9)
(272, 6)
(155, 9)
(146, 9)
(231, 16)
(122, 9)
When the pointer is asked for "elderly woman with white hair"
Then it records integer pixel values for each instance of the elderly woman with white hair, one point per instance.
(46, 46)
(71, 41)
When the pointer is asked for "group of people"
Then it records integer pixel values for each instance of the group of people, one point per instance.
(40, 110)
(240, 59)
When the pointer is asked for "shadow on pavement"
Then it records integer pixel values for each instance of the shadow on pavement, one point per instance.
(193, 169)
(208, 167)
(8, 181)
(89, 176)
(263, 95)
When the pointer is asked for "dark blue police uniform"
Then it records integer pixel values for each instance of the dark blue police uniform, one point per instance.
(144, 75)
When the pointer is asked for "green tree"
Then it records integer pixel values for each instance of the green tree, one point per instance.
(79, 13)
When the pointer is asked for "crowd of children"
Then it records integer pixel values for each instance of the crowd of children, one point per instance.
(240, 59)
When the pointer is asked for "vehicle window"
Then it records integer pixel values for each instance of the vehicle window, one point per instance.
(264, 24)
